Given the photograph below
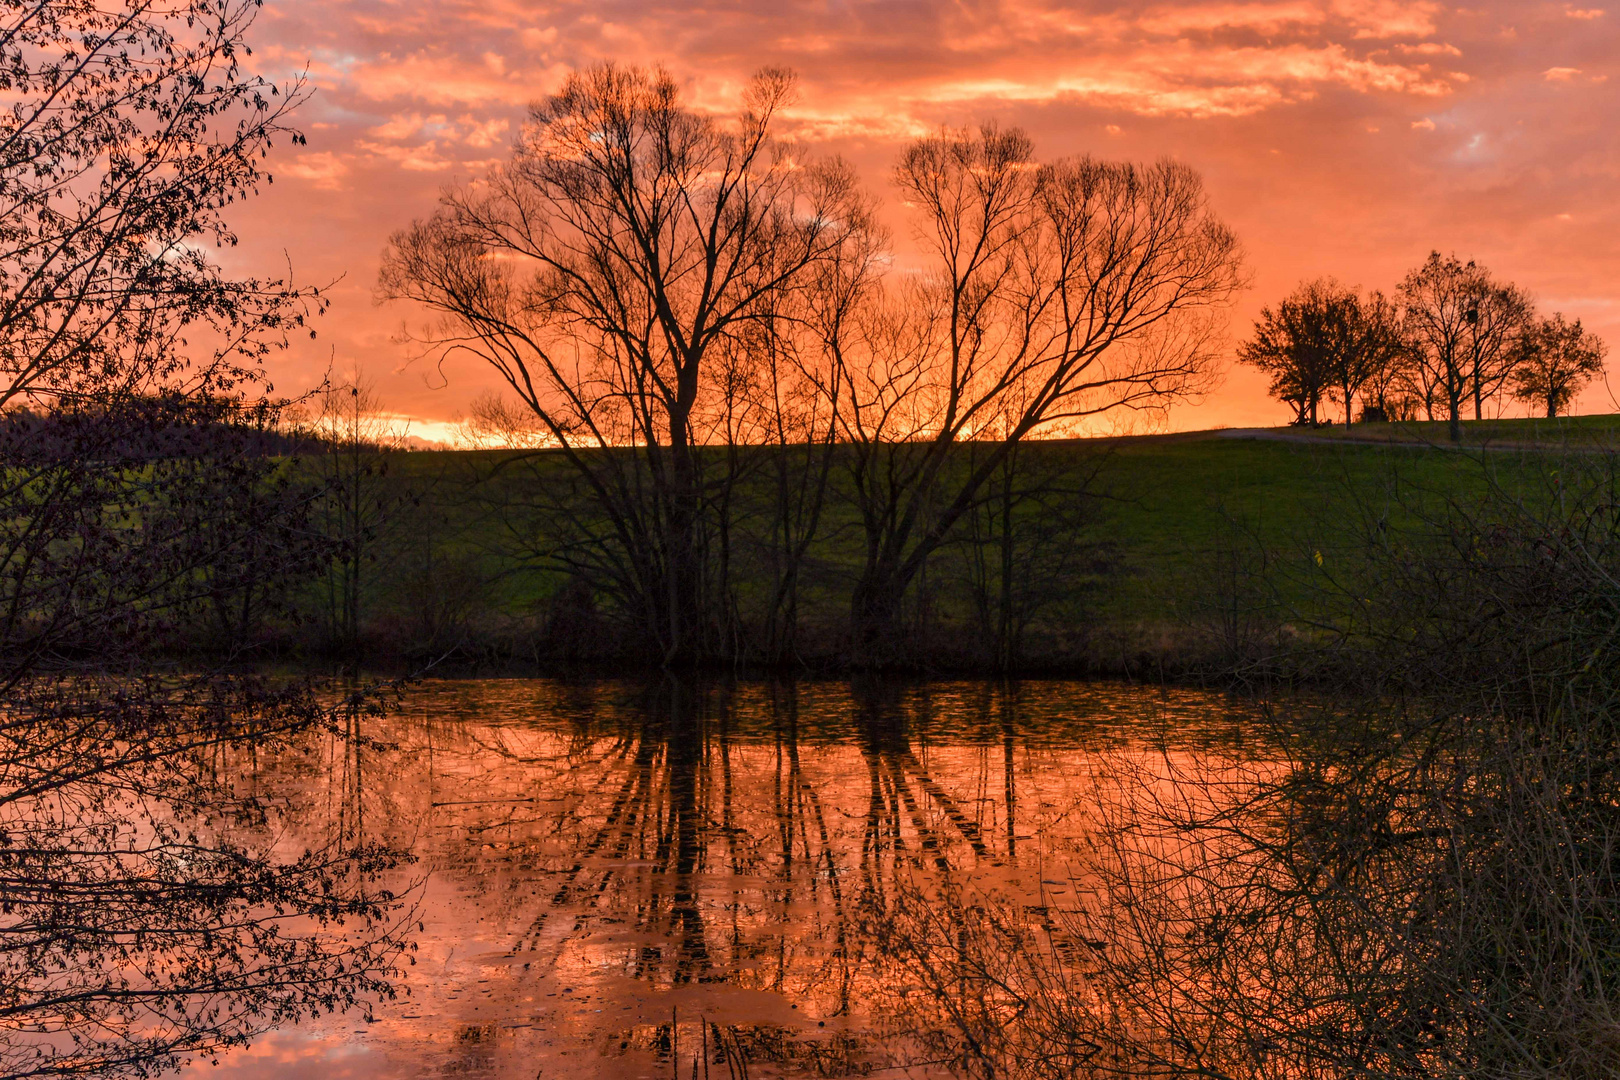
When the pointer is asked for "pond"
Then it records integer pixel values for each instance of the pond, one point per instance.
(620, 879)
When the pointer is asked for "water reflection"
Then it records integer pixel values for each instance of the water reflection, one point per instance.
(152, 905)
(629, 879)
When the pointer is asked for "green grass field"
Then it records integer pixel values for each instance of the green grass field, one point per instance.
(1185, 508)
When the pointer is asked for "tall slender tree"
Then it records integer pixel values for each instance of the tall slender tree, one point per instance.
(355, 441)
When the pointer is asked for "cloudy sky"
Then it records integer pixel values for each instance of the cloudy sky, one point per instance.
(1344, 137)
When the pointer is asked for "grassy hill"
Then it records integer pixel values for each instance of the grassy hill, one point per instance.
(1179, 539)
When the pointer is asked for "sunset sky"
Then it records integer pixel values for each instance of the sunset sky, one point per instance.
(1343, 137)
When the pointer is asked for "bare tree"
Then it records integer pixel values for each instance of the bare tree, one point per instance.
(1501, 316)
(603, 272)
(1395, 389)
(355, 441)
(1372, 347)
(1076, 288)
(1029, 544)
(800, 440)
(1463, 327)
(1557, 358)
(795, 391)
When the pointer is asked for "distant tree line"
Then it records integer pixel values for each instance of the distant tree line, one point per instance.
(1451, 339)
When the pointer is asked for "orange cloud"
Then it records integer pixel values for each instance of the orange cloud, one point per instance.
(1230, 82)
(1430, 48)
(1389, 18)
(323, 170)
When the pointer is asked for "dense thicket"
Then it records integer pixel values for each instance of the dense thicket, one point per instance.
(1426, 886)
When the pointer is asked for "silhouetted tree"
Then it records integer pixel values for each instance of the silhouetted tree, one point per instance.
(115, 172)
(1557, 358)
(128, 131)
(607, 273)
(355, 442)
(1323, 338)
(1028, 544)
(1296, 344)
(1372, 348)
(789, 448)
(1394, 390)
(147, 910)
(1051, 293)
(1463, 327)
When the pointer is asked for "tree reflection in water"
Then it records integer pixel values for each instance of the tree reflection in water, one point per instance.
(618, 868)
(151, 910)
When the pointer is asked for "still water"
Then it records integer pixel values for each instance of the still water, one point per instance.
(620, 879)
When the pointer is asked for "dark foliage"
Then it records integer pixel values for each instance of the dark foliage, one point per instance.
(127, 525)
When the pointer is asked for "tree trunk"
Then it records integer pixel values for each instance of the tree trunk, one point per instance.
(683, 556)
(1454, 402)
(685, 615)
(875, 616)
(1004, 630)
